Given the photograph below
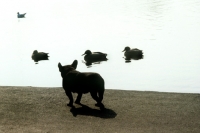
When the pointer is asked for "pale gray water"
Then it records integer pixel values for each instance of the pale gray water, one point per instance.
(167, 31)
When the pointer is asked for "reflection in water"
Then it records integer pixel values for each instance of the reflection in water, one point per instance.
(135, 54)
(94, 57)
(89, 64)
(37, 56)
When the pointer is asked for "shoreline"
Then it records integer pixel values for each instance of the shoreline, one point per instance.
(43, 109)
(106, 89)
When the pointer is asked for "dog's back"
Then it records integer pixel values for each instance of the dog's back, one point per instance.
(83, 82)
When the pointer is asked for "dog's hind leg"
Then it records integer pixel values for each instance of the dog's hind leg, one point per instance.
(100, 93)
(78, 99)
(97, 99)
(100, 104)
(71, 100)
(94, 96)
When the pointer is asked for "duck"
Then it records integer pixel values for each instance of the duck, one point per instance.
(135, 53)
(21, 15)
(94, 56)
(37, 56)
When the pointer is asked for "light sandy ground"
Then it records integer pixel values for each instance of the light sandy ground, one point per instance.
(44, 110)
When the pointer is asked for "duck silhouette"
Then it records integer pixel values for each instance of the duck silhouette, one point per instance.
(21, 15)
(37, 56)
(135, 54)
(91, 57)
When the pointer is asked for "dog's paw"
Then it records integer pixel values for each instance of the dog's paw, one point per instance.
(70, 105)
(100, 105)
(102, 108)
(77, 102)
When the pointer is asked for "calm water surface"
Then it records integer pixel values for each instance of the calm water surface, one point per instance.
(167, 31)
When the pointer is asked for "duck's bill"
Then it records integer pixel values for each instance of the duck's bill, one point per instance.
(123, 50)
(83, 54)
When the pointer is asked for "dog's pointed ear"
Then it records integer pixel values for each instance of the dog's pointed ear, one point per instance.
(59, 66)
(74, 64)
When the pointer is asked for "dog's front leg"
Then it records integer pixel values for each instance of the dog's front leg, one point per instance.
(71, 100)
(78, 99)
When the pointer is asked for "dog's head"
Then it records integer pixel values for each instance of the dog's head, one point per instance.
(67, 68)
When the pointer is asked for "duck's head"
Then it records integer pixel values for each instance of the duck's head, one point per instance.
(87, 52)
(35, 52)
(126, 49)
(17, 12)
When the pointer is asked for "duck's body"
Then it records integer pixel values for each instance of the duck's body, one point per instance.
(21, 15)
(37, 56)
(133, 53)
(94, 56)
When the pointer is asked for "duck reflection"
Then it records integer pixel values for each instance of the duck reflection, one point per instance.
(94, 57)
(89, 64)
(135, 54)
(38, 56)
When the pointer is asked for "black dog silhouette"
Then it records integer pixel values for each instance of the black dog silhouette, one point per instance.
(81, 82)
